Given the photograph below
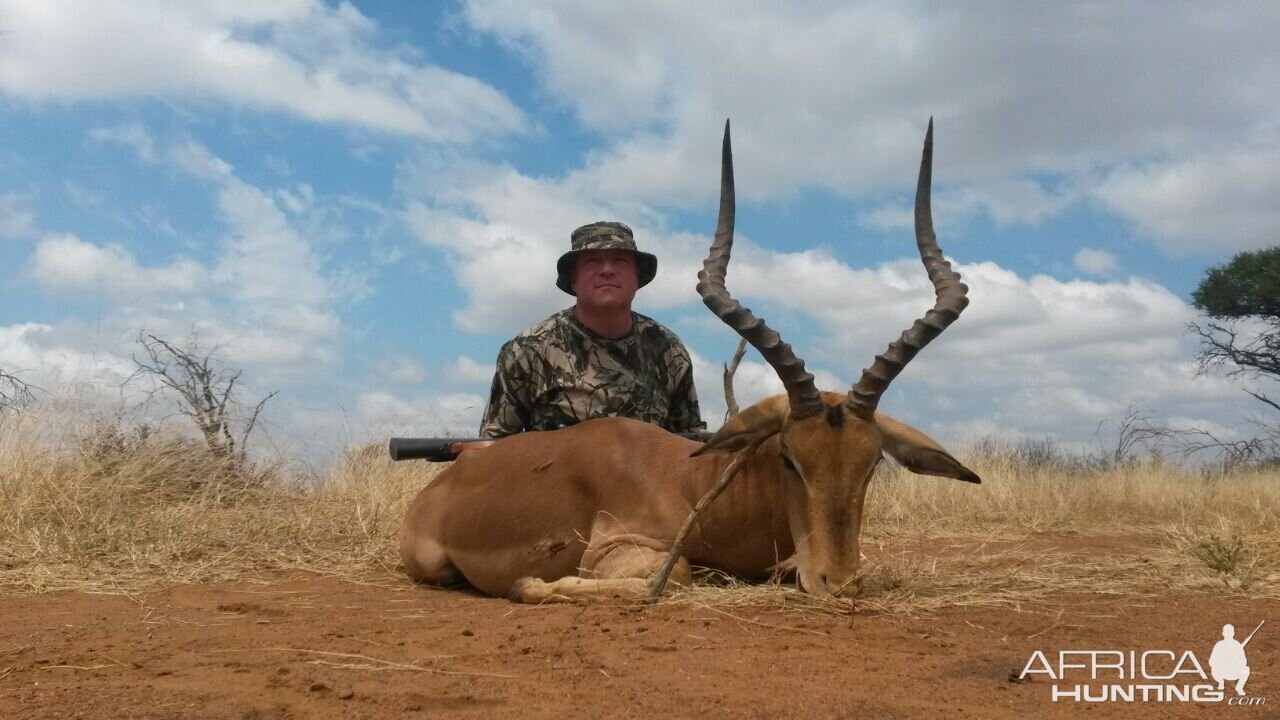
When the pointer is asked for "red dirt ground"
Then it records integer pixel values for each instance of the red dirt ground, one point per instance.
(321, 648)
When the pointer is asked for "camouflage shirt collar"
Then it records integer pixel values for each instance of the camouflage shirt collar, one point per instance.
(572, 319)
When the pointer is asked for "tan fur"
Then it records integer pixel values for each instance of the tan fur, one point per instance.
(591, 511)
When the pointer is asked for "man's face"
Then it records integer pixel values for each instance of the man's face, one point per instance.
(605, 279)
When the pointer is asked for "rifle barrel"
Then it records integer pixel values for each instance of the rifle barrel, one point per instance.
(446, 449)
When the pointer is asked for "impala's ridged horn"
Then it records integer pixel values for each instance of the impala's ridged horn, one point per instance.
(805, 400)
(949, 291)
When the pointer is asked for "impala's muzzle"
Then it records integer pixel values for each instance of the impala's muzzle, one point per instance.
(831, 570)
(826, 524)
(842, 583)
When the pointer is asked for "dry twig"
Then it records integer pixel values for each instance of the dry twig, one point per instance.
(677, 547)
(373, 663)
(731, 400)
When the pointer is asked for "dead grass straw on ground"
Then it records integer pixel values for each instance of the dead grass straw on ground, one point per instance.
(102, 506)
(916, 581)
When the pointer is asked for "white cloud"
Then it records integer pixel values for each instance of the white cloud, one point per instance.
(1224, 199)
(280, 297)
(262, 295)
(1036, 356)
(305, 57)
(463, 369)
(63, 358)
(131, 136)
(17, 219)
(506, 270)
(67, 263)
(1088, 348)
(1007, 202)
(195, 160)
(284, 306)
(1095, 262)
(264, 258)
(83, 197)
(402, 370)
(1033, 103)
(380, 414)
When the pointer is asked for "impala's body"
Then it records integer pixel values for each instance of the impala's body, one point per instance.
(597, 508)
(604, 499)
(624, 500)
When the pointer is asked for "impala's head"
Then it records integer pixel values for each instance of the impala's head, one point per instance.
(830, 443)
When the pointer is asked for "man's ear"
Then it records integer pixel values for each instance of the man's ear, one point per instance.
(757, 422)
(920, 453)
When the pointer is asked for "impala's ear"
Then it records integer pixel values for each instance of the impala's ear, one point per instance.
(919, 453)
(757, 422)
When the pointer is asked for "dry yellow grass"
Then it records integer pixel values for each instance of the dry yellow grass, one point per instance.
(1017, 499)
(111, 511)
(101, 508)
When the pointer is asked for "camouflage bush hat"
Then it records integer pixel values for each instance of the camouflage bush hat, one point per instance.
(603, 236)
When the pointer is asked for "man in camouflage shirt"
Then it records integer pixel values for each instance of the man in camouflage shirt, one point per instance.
(597, 358)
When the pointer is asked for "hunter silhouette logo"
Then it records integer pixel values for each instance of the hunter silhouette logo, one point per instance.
(1228, 661)
(1149, 675)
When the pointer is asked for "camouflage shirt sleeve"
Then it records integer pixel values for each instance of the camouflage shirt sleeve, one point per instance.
(683, 413)
(509, 405)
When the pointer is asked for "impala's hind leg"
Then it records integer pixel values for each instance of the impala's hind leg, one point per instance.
(425, 560)
(614, 566)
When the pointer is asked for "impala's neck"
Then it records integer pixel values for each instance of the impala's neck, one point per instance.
(745, 530)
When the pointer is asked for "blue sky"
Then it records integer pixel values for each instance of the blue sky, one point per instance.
(360, 202)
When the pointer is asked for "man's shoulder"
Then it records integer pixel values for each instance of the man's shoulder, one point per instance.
(542, 330)
(548, 338)
(653, 332)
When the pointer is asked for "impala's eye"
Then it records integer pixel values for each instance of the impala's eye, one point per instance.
(786, 463)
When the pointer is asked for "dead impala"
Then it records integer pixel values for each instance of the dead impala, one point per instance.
(593, 510)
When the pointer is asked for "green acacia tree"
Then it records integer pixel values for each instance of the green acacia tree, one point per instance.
(1248, 286)
(1241, 332)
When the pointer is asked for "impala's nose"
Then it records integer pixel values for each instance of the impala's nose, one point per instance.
(840, 585)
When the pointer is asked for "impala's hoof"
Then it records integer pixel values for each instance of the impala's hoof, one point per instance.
(518, 588)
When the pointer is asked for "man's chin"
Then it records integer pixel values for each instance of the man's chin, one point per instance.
(610, 295)
(608, 301)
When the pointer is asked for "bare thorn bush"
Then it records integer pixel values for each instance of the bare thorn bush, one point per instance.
(206, 392)
(15, 393)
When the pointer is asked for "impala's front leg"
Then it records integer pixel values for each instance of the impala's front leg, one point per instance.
(615, 566)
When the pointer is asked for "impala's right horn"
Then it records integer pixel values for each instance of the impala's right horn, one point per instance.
(803, 394)
(951, 300)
